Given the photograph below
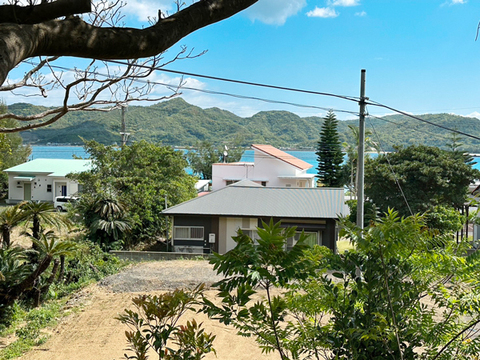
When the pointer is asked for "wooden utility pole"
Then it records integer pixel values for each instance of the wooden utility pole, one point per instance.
(361, 154)
(124, 132)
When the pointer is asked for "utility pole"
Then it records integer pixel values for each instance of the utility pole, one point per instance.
(166, 221)
(361, 154)
(124, 132)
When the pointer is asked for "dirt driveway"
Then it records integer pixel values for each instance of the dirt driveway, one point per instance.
(94, 334)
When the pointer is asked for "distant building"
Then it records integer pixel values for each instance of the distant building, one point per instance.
(271, 167)
(43, 179)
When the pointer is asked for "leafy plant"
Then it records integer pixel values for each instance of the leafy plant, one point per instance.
(205, 154)
(393, 296)
(266, 265)
(105, 218)
(154, 325)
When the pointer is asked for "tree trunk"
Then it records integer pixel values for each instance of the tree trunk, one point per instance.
(6, 236)
(14, 292)
(61, 274)
(44, 289)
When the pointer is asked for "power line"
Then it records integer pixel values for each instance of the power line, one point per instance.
(397, 182)
(222, 93)
(348, 98)
(422, 120)
(242, 82)
(444, 137)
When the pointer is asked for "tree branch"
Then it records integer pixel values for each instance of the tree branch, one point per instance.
(35, 14)
(74, 37)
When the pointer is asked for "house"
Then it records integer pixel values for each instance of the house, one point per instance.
(43, 179)
(207, 223)
(271, 167)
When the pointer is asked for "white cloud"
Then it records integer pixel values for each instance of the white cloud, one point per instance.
(347, 2)
(274, 12)
(454, 2)
(361, 13)
(323, 13)
(145, 9)
(475, 114)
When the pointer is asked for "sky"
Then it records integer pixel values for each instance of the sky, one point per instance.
(420, 56)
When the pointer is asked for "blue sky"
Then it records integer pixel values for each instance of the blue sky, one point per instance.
(420, 55)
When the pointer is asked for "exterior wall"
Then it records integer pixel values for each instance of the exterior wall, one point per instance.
(39, 186)
(229, 227)
(325, 228)
(225, 228)
(237, 171)
(273, 171)
(210, 226)
(272, 168)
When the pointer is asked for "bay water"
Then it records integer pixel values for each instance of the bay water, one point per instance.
(67, 152)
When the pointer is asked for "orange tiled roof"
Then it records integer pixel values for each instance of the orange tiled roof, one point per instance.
(282, 155)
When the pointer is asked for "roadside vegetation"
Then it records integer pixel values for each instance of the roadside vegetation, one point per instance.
(127, 189)
(37, 280)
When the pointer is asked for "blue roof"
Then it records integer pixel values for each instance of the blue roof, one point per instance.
(51, 167)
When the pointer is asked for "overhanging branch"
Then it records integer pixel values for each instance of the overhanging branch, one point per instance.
(74, 37)
(43, 12)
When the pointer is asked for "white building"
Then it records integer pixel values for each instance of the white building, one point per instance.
(43, 179)
(271, 167)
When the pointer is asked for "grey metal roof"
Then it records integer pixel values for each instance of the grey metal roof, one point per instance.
(239, 200)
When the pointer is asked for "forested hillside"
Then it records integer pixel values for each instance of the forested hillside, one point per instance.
(177, 123)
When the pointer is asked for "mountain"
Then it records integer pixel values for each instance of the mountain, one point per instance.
(178, 123)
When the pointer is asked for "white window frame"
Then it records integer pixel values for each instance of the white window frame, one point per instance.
(190, 228)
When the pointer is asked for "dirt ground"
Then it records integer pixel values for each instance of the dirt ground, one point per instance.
(95, 334)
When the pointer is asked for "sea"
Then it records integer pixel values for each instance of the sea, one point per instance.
(68, 152)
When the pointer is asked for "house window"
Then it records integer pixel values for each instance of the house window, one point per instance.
(312, 239)
(230, 182)
(49, 188)
(252, 234)
(188, 232)
(264, 183)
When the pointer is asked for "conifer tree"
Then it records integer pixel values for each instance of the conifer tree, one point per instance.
(329, 153)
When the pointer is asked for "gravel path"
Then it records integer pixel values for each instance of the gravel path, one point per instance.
(162, 275)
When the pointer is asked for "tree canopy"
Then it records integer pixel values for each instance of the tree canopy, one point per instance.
(427, 176)
(50, 30)
(141, 175)
(12, 151)
(206, 154)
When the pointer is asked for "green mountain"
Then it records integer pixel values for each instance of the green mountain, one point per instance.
(177, 123)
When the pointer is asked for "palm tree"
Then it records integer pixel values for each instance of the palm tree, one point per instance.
(39, 213)
(106, 219)
(9, 218)
(21, 275)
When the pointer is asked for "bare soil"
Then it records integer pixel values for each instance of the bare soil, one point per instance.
(94, 334)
